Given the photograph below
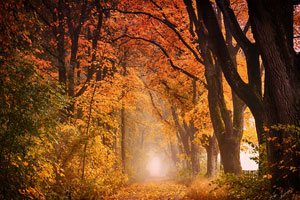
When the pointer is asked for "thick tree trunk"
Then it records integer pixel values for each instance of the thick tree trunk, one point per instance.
(229, 134)
(272, 25)
(220, 116)
(230, 153)
(238, 126)
(212, 156)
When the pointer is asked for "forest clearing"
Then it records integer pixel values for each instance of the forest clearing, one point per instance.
(150, 99)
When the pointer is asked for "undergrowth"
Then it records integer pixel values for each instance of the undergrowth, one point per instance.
(203, 189)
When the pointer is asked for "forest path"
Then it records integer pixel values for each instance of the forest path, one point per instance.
(156, 188)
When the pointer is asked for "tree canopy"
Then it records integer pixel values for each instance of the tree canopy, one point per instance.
(92, 90)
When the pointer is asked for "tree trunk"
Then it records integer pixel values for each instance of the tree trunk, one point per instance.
(174, 153)
(62, 73)
(192, 132)
(71, 70)
(273, 31)
(183, 136)
(74, 31)
(230, 153)
(272, 27)
(228, 134)
(212, 156)
(195, 161)
(123, 137)
(221, 118)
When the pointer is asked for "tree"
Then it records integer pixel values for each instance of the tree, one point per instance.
(280, 103)
(187, 38)
(29, 104)
(211, 146)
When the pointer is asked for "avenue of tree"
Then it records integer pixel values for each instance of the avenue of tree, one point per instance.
(89, 88)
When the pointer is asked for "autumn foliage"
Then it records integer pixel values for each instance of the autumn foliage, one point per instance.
(92, 90)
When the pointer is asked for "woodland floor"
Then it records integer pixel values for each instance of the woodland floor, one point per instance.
(152, 188)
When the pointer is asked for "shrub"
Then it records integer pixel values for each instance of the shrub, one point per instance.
(203, 189)
(251, 186)
(246, 186)
(28, 112)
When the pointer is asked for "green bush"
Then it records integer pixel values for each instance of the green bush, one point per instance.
(28, 110)
(251, 186)
(247, 186)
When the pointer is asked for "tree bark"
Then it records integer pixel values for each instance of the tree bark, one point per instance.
(220, 116)
(186, 135)
(228, 137)
(220, 50)
(94, 67)
(272, 25)
(212, 156)
(230, 153)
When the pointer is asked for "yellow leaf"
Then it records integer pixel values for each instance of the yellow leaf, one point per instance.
(266, 129)
(268, 176)
(271, 138)
(15, 164)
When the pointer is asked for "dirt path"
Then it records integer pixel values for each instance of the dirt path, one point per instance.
(157, 188)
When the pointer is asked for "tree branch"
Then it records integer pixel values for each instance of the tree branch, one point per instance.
(169, 24)
(167, 55)
(157, 111)
(243, 90)
(194, 20)
(160, 8)
(236, 31)
(39, 14)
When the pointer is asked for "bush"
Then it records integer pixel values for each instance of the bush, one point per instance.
(203, 189)
(28, 112)
(247, 186)
(251, 186)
